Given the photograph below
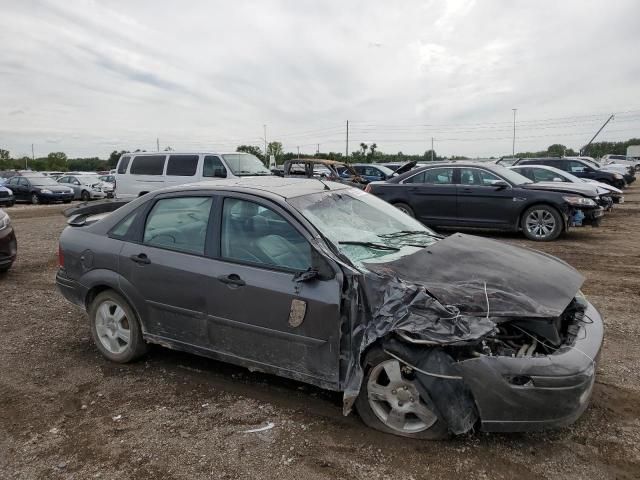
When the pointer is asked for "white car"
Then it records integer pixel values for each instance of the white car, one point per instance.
(141, 173)
(87, 187)
(544, 173)
(610, 159)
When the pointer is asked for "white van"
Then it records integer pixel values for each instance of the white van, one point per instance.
(140, 173)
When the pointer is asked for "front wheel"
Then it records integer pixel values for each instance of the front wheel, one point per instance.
(389, 401)
(404, 208)
(35, 200)
(85, 196)
(115, 328)
(541, 223)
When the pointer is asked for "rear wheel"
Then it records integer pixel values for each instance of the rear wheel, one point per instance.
(541, 223)
(404, 208)
(35, 200)
(84, 196)
(115, 328)
(389, 401)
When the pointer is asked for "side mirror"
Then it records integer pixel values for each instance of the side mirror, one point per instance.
(306, 276)
(500, 185)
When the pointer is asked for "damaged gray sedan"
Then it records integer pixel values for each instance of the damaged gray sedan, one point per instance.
(326, 284)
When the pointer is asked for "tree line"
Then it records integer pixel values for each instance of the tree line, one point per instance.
(367, 153)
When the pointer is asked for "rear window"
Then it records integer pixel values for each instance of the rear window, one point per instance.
(124, 163)
(182, 165)
(148, 165)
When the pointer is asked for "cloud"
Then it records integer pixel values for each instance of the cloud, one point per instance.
(98, 76)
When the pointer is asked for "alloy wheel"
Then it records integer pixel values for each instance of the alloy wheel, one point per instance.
(395, 400)
(540, 223)
(112, 327)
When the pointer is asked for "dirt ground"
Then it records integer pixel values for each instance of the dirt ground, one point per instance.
(66, 412)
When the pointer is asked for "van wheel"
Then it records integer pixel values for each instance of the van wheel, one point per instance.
(115, 328)
(404, 208)
(84, 196)
(541, 223)
(389, 401)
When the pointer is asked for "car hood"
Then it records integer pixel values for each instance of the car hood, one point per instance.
(567, 187)
(487, 278)
(54, 188)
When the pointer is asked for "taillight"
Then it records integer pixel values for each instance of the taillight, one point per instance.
(60, 257)
(367, 189)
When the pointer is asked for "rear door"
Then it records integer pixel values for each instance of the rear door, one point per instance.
(259, 313)
(432, 196)
(181, 169)
(169, 269)
(481, 203)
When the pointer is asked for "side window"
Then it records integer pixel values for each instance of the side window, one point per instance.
(122, 229)
(178, 224)
(439, 176)
(576, 167)
(487, 178)
(256, 234)
(148, 165)
(13, 181)
(541, 175)
(213, 167)
(123, 164)
(62, 180)
(182, 165)
(23, 181)
(419, 178)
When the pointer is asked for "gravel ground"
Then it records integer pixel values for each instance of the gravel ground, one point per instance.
(65, 412)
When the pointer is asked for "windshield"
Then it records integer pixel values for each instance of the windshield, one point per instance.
(385, 170)
(363, 227)
(243, 164)
(89, 179)
(42, 181)
(511, 176)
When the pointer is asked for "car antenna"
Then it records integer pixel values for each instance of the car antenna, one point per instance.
(326, 187)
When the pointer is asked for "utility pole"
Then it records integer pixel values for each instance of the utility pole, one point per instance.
(157, 144)
(265, 141)
(347, 146)
(432, 149)
(597, 133)
(32, 158)
(318, 149)
(298, 152)
(513, 147)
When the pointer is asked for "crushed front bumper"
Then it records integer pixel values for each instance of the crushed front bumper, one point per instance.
(556, 387)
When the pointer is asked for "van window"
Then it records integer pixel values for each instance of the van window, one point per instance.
(124, 163)
(213, 167)
(148, 165)
(182, 165)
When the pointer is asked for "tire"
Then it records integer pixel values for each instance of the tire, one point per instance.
(112, 322)
(5, 269)
(541, 223)
(35, 200)
(85, 196)
(399, 395)
(403, 207)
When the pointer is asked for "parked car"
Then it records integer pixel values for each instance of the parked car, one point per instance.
(620, 160)
(607, 194)
(8, 243)
(7, 199)
(331, 170)
(87, 187)
(370, 172)
(325, 284)
(37, 188)
(140, 173)
(579, 168)
(108, 178)
(627, 171)
(467, 194)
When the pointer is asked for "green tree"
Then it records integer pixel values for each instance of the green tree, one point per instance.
(4, 154)
(428, 155)
(114, 157)
(56, 161)
(275, 149)
(252, 149)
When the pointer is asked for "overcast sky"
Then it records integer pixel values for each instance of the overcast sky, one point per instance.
(87, 77)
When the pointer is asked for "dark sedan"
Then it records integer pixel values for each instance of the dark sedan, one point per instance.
(488, 196)
(37, 188)
(7, 199)
(8, 243)
(323, 283)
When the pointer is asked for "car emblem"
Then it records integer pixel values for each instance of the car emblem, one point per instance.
(297, 312)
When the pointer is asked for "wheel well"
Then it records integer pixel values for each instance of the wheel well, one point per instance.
(564, 226)
(93, 293)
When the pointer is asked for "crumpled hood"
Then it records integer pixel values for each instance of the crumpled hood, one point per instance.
(584, 189)
(486, 277)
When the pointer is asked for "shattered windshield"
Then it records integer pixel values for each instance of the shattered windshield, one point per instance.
(244, 164)
(363, 227)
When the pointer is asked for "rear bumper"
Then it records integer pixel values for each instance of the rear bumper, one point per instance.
(70, 289)
(559, 390)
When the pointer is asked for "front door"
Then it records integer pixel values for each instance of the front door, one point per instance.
(258, 313)
(483, 204)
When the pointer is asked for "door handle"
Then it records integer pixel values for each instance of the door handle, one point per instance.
(466, 190)
(141, 259)
(232, 279)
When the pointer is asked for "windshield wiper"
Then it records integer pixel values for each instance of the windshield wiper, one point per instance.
(406, 233)
(377, 246)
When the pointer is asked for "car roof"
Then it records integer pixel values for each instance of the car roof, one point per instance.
(206, 152)
(285, 187)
